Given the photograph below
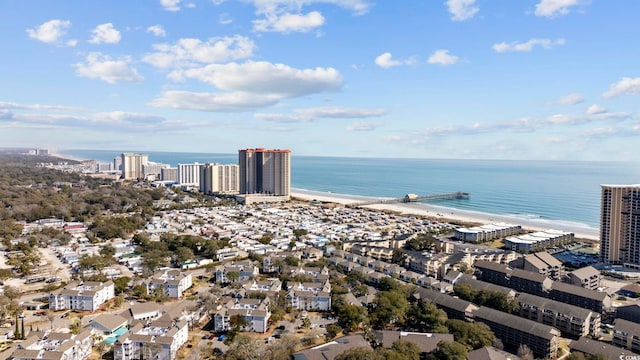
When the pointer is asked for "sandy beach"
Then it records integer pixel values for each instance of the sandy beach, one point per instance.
(450, 214)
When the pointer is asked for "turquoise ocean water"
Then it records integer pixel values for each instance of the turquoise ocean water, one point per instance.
(559, 191)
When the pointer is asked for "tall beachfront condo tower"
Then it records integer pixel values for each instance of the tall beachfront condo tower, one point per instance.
(132, 165)
(189, 174)
(620, 225)
(265, 171)
(217, 178)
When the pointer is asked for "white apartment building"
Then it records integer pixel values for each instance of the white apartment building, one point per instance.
(82, 296)
(54, 345)
(173, 282)
(255, 312)
(245, 270)
(152, 171)
(158, 340)
(132, 165)
(222, 179)
(310, 296)
(189, 174)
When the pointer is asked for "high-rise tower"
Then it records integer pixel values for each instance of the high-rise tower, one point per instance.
(266, 172)
(132, 165)
(620, 225)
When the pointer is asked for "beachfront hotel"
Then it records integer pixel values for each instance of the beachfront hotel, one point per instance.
(620, 225)
(132, 165)
(221, 179)
(264, 175)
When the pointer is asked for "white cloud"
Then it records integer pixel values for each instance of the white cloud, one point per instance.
(596, 109)
(386, 61)
(157, 30)
(189, 51)
(50, 32)
(570, 99)
(264, 78)
(288, 16)
(442, 57)
(225, 19)
(359, 7)
(287, 22)
(72, 43)
(311, 114)
(57, 116)
(362, 126)
(105, 33)
(462, 10)
(626, 86)
(248, 86)
(222, 102)
(554, 8)
(527, 46)
(98, 66)
(39, 107)
(170, 5)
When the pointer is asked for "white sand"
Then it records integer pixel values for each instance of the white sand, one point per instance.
(450, 214)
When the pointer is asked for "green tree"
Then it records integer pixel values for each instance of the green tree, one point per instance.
(472, 334)
(350, 316)
(233, 276)
(332, 331)
(426, 317)
(121, 284)
(421, 242)
(389, 307)
(402, 350)
(183, 254)
(359, 353)
(238, 322)
(449, 350)
(291, 261)
(298, 233)
(246, 348)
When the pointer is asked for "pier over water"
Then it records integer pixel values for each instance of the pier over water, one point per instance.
(413, 198)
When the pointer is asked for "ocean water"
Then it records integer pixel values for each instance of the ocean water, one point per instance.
(559, 191)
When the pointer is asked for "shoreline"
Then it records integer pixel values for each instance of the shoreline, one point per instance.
(447, 214)
(440, 213)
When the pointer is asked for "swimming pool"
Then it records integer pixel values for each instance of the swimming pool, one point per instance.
(116, 334)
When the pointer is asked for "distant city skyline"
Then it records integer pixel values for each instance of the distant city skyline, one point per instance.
(442, 79)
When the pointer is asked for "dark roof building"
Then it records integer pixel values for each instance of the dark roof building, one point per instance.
(594, 347)
(330, 350)
(572, 321)
(626, 335)
(454, 307)
(426, 342)
(514, 331)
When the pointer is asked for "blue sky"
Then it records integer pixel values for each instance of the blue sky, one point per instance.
(473, 79)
